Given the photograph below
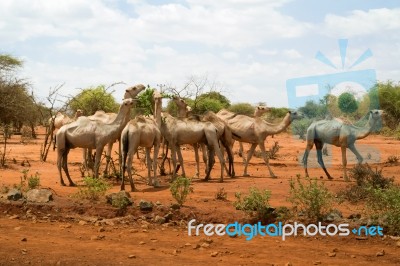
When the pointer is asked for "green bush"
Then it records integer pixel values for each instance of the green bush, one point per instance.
(221, 194)
(383, 205)
(256, 203)
(299, 127)
(366, 177)
(180, 189)
(310, 198)
(93, 188)
(34, 181)
(242, 108)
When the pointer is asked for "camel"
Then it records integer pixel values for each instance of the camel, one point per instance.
(178, 132)
(340, 134)
(224, 133)
(60, 119)
(141, 131)
(104, 117)
(89, 134)
(255, 131)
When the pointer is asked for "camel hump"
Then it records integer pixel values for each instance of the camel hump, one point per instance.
(140, 119)
(194, 117)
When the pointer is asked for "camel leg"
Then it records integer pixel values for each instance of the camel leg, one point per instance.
(211, 161)
(65, 167)
(221, 161)
(241, 154)
(181, 160)
(99, 151)
(305, 156)
(123, 167)
(356, 153)
(149, 166)
(196, 156)
(60, 155)
(129, 169)
(173, 156)
(204, 154)
(108, 157)
(266, 159)
(249, 155)
(318, 146)
(344, 163)
(156, 183)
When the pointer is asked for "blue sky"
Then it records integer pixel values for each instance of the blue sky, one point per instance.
(249, 47)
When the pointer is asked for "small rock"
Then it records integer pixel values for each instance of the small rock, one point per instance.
(17, 228)
(132, 256)
(133, 231)
(175, 206)
(101, 229)
(361, 238)
(214, 254)
(145, 205)
(41, 195)
(24, 251)
(188, 245)
(158, 203)
(288, 264)
(331, 254)
(24, 239)
(14, 194)
(380, 253)
(12, 217)
(333, 216)
(82, 222)
(205, 245)
(176, 252)
(335, 250)
(317, 262)
(398, 244)
(142, 243)
(168, 217)
(196, 246)
(159, 219)
(353, 256)
(354, 216)
(208, 240)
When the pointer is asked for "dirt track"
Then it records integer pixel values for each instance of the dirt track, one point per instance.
(72, 232)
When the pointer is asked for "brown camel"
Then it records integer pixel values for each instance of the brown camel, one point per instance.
(224, 133)
(60, 119)
(89, 134)
(255, 131)
(340, 134)
(104, 117)
(178, 132)
(144, 132)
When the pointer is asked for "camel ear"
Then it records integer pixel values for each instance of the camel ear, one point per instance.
(289, 112)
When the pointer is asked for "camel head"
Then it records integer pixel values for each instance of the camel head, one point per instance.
(375, 118)
(260, 110)
(127, 105)
(180, 102)
(294, 115)
(133, 91)
(78, 113)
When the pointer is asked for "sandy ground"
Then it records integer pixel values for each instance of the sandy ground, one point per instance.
(69, 231)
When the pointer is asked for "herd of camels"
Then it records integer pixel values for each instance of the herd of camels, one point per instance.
(213, 133)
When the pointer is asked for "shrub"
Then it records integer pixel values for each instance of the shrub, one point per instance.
(221, 194)
(384, 206)
(180, 189)
(34, 181)
(299, 127)
(120, 201)
(93, 189)
(256, 203)
(242, 108)
(392, 159)
(312, 199)
(366, 177)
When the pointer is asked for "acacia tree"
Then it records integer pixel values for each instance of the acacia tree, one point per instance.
(347, 103)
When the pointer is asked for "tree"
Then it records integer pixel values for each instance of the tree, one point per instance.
(314, 110)
(94, 99)
(347, 103)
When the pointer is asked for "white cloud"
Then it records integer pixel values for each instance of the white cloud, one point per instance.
(358, 23)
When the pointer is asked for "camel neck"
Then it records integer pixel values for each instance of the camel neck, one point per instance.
(278, 128)
(157, 111)
(363, 132)
(182, 113)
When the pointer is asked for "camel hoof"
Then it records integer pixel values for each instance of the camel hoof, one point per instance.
(274, 177)
(246, 175)
(63, 184)
(330, 178)
(72, 184)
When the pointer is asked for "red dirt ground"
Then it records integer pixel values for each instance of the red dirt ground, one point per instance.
(69, 231)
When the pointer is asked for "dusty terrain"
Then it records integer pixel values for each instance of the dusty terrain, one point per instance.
(69, 231)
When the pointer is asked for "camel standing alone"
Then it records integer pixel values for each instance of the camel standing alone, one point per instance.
(340, 134)
(89, 134)
(255, 131)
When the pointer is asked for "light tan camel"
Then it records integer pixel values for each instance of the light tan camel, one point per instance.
(144, 132)
(178, 132)
(255, 131)
(224, 133)
(104, 117)
(340, 134)
(60, 119)
(89, 134)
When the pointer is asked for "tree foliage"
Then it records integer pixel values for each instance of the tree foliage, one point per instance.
(347, 103)
(94, 99)
(242, 108)
(386, 96)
